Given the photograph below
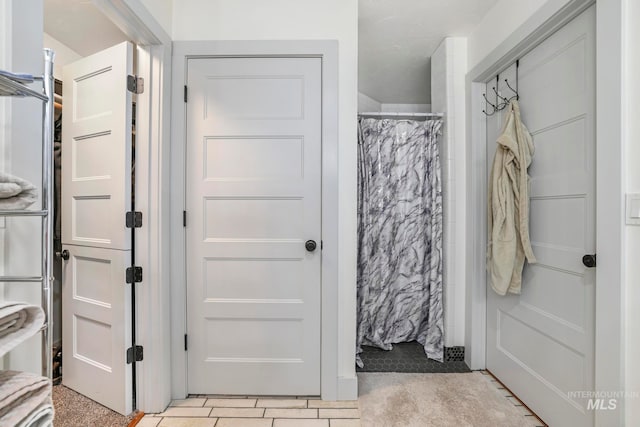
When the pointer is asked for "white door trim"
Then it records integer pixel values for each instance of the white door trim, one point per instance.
(153, 174)
(609, 366)
(152, 198)
(328, 52)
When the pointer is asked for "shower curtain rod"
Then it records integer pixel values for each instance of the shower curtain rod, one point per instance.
(397, 115)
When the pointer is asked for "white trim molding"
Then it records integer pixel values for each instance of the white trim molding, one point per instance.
(152, 197)
(133, 18)
(610, 217)
(153, 238)
(332, 387)
(609, 345)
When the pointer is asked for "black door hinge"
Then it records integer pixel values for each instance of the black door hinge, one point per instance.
(133, 219)
(184, 218)
(135, 84)
(185, 93)
(136, 354)
(321, 244)
(185, 342)
(134, 274)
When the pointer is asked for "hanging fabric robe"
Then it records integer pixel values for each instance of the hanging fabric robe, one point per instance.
(508, 215)
(399, 235)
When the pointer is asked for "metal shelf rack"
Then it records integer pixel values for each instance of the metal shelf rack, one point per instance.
(9, 87)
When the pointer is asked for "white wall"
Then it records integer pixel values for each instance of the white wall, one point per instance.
(448, 73)
(5, 126)
(366, 104)
(302, 20)
(405, 108)
(21, 134)
(64, 54)
(631, 232)
(5, 52)
(499, 23)
(162, 11)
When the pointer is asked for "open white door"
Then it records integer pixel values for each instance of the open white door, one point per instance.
(540, 344)
(96, 193)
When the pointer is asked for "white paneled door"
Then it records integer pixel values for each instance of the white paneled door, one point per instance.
(96, 193)
(253, 205)
(540, 344)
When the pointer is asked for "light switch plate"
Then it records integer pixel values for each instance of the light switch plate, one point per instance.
(633, 209)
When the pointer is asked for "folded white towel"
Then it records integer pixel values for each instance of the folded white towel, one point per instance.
(18, 322)
(25, 400)
(42, 416)
(12, 323)
(16, 193)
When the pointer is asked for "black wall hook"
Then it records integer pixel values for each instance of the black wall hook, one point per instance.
(495, 107)
(517, 95)
(502, 102)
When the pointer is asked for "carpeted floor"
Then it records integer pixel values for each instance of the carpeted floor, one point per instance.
(438, 400)
(75, 410)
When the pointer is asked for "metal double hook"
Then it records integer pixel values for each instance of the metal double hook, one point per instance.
(501, 102)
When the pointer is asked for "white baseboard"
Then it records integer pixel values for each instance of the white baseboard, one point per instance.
(348, 388)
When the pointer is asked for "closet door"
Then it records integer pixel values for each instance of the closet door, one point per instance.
(96, 193)
(254, 208)
(96, 150)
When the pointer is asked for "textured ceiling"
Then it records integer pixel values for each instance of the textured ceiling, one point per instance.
(397, 39)
(80, 25)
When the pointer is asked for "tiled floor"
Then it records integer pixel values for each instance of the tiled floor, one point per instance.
(406, 357)
(260, 411)
(255, 411)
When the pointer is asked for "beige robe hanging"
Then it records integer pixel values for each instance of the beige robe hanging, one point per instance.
(508, 214)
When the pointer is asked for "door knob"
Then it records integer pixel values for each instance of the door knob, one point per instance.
(589, 261)
(64, 254)
(310, 245)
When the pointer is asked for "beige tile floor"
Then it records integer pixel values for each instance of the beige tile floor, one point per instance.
(260, 411)
(255, 411)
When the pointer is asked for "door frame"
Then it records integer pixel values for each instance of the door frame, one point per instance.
(152, 198)
(609, 356)
(327, 51)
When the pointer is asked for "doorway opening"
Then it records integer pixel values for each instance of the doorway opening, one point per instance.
(111, 130)
(95, 191)
(410, 277)
(93, 187)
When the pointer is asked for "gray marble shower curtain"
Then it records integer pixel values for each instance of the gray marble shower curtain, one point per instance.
(399, 235)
